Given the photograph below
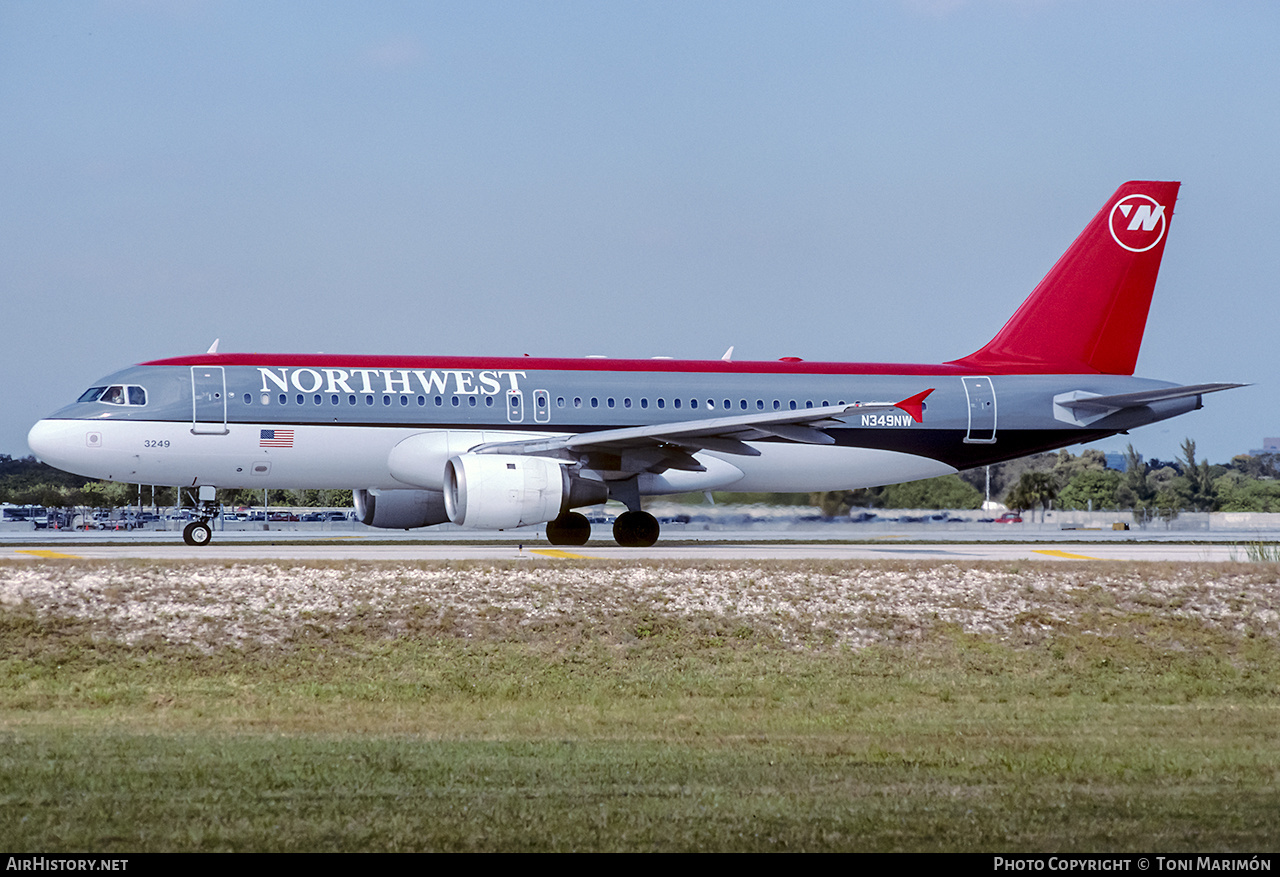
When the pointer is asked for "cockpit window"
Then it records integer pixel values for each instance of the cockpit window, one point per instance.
(119, 394)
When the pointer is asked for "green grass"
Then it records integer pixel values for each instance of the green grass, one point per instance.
(1259, 552)
(1120, 728)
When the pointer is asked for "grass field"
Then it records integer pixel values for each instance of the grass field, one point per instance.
(570, 705)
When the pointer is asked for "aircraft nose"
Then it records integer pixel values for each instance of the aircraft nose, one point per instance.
(50, 441)
(39, 439)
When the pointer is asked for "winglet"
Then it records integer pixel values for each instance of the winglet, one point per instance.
(915, 405)
(213, 348)
(728, 354)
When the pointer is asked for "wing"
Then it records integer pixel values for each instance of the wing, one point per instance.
(664, 446)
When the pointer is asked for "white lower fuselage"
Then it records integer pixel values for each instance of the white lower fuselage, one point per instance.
(158, 452)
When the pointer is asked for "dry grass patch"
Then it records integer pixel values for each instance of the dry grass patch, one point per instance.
(603, 706)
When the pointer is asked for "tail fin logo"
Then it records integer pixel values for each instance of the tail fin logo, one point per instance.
(1138, 223)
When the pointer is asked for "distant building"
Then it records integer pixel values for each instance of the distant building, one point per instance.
(1269, 446)
(1116, 461)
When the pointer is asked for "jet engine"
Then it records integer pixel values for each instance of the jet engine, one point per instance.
(502, 491)
(400, 509)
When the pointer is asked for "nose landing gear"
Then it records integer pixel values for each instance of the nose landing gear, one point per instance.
(198, 532)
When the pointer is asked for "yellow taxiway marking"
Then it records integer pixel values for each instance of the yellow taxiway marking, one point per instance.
(556, 552)
(1053, 552)
(42, 552)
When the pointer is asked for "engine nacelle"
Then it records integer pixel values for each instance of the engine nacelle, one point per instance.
(419, 460)
(400, 509)
(502, 491)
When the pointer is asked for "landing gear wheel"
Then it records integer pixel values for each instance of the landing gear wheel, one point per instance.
(635, 529)
(570, 528)
(197, 533)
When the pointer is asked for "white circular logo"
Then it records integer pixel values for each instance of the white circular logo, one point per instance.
(1137, 223)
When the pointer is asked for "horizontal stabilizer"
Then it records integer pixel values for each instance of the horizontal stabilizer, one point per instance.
(1145, 397)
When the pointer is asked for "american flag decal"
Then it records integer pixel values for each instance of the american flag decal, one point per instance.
(276, 438)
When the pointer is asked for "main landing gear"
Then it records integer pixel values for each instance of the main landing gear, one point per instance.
(630, 529)
(570, 528)
(635, 529)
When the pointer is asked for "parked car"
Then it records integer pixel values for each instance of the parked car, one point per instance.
(1009, 518)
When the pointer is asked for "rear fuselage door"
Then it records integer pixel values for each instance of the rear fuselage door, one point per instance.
(208, 400)
(982, 410)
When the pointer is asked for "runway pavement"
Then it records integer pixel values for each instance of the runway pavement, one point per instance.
(1051, 546)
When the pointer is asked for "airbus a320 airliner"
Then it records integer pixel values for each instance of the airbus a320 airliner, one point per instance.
(500, 443)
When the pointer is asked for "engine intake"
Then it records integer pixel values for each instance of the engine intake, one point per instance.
(502, 491)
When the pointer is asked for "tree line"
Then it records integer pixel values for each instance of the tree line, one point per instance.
(27, 481)
(1083, 482)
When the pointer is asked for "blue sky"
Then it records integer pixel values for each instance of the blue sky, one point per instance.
(878, 181)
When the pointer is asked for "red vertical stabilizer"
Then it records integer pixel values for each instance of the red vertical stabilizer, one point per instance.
(1089, 312)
